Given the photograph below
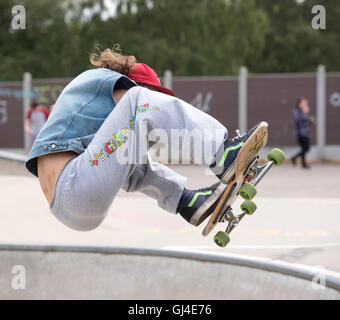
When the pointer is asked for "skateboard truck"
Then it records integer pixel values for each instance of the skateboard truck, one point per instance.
(260, 173)
(252, 176)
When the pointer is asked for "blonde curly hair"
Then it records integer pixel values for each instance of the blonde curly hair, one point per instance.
(113, 59)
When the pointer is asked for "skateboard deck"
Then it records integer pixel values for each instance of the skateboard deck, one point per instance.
(247, 154)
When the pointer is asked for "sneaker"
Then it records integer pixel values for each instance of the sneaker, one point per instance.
(225, 158)
(197, 205)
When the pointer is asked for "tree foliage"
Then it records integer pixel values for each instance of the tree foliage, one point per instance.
(190, 37)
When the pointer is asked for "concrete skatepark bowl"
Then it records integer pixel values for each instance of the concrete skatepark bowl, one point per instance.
(65, 272)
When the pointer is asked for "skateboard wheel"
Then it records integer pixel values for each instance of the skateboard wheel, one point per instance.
(247, 191)
(248, 206)
(277, 156)
(221, 239)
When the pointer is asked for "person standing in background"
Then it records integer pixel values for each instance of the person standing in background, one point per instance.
(303, 122)
(35, 119)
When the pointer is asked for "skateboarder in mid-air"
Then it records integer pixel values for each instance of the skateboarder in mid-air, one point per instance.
(78, 155)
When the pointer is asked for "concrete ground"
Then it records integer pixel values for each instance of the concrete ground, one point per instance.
(297, 219)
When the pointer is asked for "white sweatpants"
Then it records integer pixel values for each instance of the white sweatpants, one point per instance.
(118, 157)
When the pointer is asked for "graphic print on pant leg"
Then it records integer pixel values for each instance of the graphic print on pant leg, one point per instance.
(121, 137)
(110, 147)
(97, 156)
(146, 107)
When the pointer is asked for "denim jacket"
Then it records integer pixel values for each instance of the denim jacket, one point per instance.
(77, 114)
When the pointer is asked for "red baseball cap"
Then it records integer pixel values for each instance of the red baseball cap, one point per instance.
(144, 74)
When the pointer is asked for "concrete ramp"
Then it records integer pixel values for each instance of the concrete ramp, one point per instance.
(49, 272)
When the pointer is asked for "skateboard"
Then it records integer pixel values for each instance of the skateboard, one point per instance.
(248, 172)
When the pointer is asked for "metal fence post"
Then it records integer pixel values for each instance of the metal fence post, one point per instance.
(168, 79)
(27, 89)
(242, 100)
(321, 111)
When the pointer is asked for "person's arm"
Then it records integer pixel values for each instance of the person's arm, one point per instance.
(297, 119)
(118, 94)
(27, 123)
